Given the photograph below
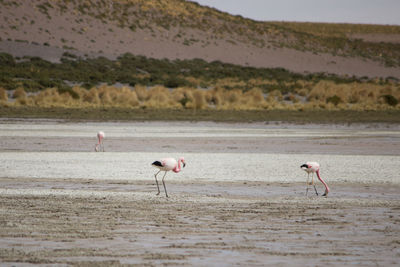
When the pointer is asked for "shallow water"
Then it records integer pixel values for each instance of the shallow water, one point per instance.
(201, 165)
(184, 129)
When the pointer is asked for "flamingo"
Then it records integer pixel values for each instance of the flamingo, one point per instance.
(100, 146)
(167, 164)
(313, 167)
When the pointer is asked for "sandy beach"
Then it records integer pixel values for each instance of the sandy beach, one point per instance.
(239, 201)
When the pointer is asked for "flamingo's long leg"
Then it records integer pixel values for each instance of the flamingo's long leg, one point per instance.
(312, 182)
(315, 190)
(155, 176)
(308, 178)
(165, 189)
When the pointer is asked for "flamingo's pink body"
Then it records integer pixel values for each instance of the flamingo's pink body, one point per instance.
(313, 167)
(99, 146)
(167, 164)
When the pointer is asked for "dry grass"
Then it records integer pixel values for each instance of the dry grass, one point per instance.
(3, 95)
(322, 95)
(338, 29)
(353, 95)
(19, 93)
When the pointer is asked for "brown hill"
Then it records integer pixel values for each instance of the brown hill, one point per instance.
(184, 30)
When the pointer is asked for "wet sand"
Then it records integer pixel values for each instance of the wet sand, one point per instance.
(171, 137)
(208, 220)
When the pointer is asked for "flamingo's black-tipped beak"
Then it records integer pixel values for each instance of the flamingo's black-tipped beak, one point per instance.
(184, 164)
(304, 166)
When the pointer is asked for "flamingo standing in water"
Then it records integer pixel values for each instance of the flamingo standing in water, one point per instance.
(313, 167)
(167, 164)
(100, 146)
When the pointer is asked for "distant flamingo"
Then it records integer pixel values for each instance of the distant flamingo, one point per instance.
(100, 146)
(167, 164)
(313, 167)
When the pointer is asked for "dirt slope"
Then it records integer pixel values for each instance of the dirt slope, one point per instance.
(179, 29)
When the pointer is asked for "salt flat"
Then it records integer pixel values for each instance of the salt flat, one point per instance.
(239, 201)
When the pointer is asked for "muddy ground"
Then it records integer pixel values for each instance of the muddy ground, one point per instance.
(205, 222)
(88, 222)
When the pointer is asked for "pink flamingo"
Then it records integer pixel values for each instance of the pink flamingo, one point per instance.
(100, 146)
(313, 167)
(167, 164)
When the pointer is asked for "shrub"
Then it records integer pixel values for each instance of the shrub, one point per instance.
(390, 100)
(6, 59)
(174, 82)
(3, 94)
(158, 97)
(69, 91)
(92, 96)
(141, 93)
(19, 93)
(199, 101)
(125, 97)
(335, 100)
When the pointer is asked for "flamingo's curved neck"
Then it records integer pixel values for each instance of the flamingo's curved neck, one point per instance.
(177, 167)
(100, 139)
(322, 181)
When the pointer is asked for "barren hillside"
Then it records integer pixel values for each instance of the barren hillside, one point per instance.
(177, 29)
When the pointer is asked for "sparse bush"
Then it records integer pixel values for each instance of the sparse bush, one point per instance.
(275, 94)
(141, 93)
(390, 100)
(3, 94)
(92, 96)
(19, 93)
(126, 98)
(6, 59)
(174, 82)
(335, 100)
(158, 97)
(199, 101)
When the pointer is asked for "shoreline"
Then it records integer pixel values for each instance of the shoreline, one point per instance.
(228, 116)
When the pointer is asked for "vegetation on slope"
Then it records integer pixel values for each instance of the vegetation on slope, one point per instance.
(177, 16)
(35, 74)
(141, 83)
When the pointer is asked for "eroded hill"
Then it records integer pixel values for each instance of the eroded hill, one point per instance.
(177, 29)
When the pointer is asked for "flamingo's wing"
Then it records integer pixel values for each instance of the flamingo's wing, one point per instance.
(157, 163)
(169, 163)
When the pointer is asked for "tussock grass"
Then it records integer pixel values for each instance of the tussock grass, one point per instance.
(323, 95)
(353, 95)
(3, 95)
(19, 93)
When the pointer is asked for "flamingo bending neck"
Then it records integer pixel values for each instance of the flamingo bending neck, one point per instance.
(178, 166)
(323, 182)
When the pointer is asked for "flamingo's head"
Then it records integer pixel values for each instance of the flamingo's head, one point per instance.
(304, 167)
(183, 161)
(96, 148)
